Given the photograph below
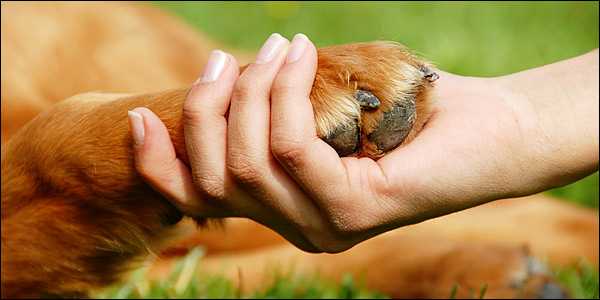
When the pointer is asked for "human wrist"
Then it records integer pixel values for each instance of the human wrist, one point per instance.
(486, 161)
(557, 114)
(519, 144)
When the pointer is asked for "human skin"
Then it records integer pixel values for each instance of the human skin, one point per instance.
(487, 139)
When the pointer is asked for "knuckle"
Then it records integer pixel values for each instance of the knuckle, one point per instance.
(192, 114)
(244, 166)
(242, 169)
(281, 88)
(288, 152)
(244, 88)
(209, 186)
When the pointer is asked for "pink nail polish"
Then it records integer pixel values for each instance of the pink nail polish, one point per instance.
(136, 121)
(297, 49)
(270, 49)
(214, 67)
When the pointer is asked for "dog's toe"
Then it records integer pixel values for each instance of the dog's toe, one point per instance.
(394, 127)
(345, 139)
(428, 74)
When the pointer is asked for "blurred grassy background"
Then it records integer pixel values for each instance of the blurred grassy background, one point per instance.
(469, 38)
(472, 38)
(183, 284)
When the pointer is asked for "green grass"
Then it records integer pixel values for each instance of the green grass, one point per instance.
(182, 282)
(476, 39)
(186, 280)
(479, 39)
(472, 295)
(583, 192)
(581, 280)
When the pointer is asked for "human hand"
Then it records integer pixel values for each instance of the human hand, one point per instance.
(474, 148)
(226, 121)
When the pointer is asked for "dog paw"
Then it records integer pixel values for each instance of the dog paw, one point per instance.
(369, 98)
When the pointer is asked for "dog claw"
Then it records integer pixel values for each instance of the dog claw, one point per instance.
(367, 100)
(428, 74)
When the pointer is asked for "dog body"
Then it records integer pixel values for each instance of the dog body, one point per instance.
(69, 185)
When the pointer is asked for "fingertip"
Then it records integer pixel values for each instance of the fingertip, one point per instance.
(217, 62)
(300, 46)
(157, 143)
(136, 124)
(219, 67)
(213, 95)
(143, 111)
(146, 127)
(313, 48)
(292, 114)
(152, 122)
(234, 65)
(300, 66)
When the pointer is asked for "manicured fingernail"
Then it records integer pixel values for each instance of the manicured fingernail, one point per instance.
(270, 49)
(297, 49)
(136, 121)
(214, 67)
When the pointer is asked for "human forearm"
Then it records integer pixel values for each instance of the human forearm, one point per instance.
(558, 117)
